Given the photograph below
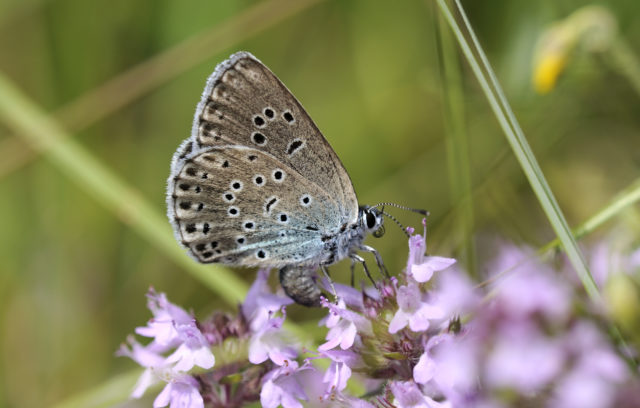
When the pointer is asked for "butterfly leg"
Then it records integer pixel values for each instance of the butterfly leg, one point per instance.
(353, 270)
(360, 259)
(376, 254)
(325, 271)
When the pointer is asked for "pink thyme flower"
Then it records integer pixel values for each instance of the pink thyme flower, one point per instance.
(167, 317)
(419, 266)
(261, 303)
(181, 391)
(455, 293)
(343, 325)
(409, 395)
(148, 358)
(522, 358)
(426, 367)
(413, 310)
(269, 342)
(456, 361)
(339, 371)
(174, 327)
(529, 286)
(282, 387)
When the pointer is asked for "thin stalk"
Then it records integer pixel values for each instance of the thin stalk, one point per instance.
(46, 136)
(457, 144)
(521, 149)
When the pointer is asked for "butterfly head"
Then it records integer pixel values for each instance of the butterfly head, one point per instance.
(371, 220)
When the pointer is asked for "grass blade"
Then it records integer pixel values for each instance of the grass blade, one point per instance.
(46, 136)
(522, 151)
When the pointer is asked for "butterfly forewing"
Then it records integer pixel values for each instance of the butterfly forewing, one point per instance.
(245, 104)
(241, 205)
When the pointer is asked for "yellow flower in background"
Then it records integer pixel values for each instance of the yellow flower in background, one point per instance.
(590, 29)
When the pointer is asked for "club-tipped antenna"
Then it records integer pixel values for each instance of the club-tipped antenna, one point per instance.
(415, 210)
(394, 219)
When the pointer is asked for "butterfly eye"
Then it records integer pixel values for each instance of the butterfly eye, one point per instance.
(370, 219)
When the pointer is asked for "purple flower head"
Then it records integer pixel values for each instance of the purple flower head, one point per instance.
(455, 293)
(607, 259)
(456, 361)
(282, 387)
(185, 357)
(343, 326)
(261, 303)
(426, 367)
(594, 354)
(349, 295)
(167, 317)
(523, 359)
(413, 310)
(339, 371)
(173, 327)
(529, 286)
(409, 395)
(269, 342)
(419, 266)
(181, 391)
(146, 356)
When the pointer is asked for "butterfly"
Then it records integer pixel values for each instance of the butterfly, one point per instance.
(258, 185)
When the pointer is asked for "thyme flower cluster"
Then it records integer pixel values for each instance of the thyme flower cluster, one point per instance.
(407, 343)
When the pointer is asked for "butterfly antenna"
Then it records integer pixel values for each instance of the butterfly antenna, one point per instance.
(394, 219)
(415, 210)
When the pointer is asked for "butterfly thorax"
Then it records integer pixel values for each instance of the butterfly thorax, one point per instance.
(349, 238)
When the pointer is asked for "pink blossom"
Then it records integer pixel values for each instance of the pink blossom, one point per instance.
(146, 356)
(163, 327)
(180, 392)
(419, 266)
(409, 395)
(282, 387)
(426, 367)
(412, 310)
(186, 357)
(339, 371)
(343, 325)
(529, 286)
(457, 366)
(261, 303)
(174, 327)
(523, 359)
(269, 342)
(455, 293)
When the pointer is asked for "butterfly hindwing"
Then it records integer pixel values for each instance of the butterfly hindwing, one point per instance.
(240, 205)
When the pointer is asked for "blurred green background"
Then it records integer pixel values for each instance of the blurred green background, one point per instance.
(123, 77)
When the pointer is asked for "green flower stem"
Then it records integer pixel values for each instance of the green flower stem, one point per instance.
(622, 200)
(521, 149)
(46, 136)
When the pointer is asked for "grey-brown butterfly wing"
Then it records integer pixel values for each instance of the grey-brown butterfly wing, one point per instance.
(245, 104)
(240, 205)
